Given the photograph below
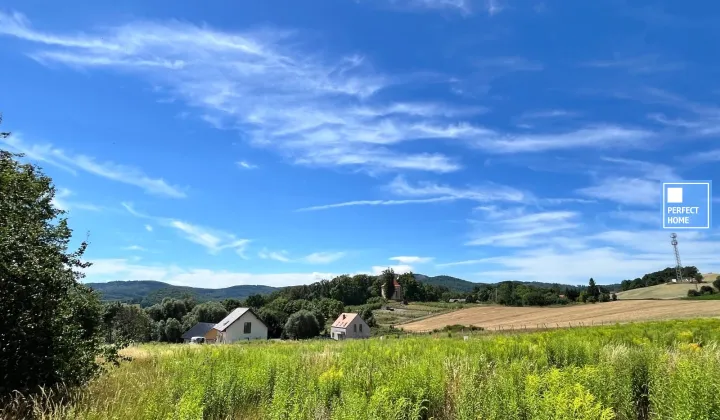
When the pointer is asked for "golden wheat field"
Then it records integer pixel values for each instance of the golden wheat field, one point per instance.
(494, 317)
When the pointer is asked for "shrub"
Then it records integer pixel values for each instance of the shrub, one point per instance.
(301, 325)
(692, 293)
(706, 290)
(605, 297)
(614, 296)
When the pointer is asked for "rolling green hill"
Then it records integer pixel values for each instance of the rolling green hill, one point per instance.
(149, 292)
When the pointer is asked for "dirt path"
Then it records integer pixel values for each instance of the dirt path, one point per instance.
(493, 317)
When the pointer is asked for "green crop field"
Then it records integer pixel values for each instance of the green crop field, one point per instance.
(660, 370)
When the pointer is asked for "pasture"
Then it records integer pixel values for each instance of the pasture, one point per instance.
(494, 317)
(636, 371)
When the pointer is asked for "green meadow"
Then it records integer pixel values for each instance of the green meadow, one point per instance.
(659, 370)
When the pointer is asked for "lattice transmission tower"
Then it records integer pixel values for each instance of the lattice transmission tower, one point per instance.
(678, 264)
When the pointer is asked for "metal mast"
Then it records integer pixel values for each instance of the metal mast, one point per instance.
(678, 265)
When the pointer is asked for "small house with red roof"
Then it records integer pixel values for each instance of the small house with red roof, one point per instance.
(349, 325)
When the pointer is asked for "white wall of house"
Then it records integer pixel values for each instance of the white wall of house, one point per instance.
(236, 330)
(356, 329)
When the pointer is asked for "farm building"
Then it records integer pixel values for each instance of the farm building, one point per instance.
(457, 300)
(201, 329)
(242, 324)
(397, 293)
(349, 325)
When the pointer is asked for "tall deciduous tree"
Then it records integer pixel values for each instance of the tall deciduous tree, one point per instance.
(388, 282)
(50, 324)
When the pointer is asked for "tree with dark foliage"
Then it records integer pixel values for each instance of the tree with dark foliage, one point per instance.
(388, 282)
(50, 325)
(301, 325)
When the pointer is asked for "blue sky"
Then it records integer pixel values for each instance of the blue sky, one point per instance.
(279, 143)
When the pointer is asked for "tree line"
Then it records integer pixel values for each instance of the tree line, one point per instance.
(661, 277)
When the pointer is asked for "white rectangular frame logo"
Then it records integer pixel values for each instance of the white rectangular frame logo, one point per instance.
(709, 204)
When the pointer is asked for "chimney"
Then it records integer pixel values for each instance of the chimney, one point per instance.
(343, 316)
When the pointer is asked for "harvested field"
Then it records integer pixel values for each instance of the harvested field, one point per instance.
(494, 317)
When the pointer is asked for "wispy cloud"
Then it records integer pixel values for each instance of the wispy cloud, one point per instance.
(412, 259)
(517, 228)
(508, 63)
(149, 228)
(134, 248)
(314, 111)
(609, 137)
(213, 240)
(635, 183)
(550, 113)
(398, 269)
(61, 202)
(313, 258)
(246, 165)
(608, 257)
(73, 162)
(125, 269)
(429, 192)
(377, 203)
(642, 64)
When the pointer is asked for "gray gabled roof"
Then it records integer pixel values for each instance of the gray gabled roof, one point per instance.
(234, 316)
(198, 330)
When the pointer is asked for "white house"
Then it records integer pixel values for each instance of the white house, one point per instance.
(242, 324)
(349, 325)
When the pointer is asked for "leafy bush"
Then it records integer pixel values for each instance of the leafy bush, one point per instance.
(692, 293)
(706, 290)
(614, 297)
(301, 325)
(605, 297)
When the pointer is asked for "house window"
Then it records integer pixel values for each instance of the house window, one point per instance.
(246, 328)
(354, 327)
(360, 327)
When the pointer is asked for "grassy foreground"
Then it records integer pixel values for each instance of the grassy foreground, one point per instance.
(660, 370)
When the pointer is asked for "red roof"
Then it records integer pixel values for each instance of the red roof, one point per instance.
(344, 320)
(395, 282)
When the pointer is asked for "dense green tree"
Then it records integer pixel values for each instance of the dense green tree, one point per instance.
(301, 325)
(274, 319)
(593, 289)
(205, 312)
(716, 282)
(388, 282)
(50, 324)
(255, 301)
(231, 304)
(173, 330)
(412, 289)
(698, 278)
(367, 315)
(124, 322)
(155, 312)
(614, 297)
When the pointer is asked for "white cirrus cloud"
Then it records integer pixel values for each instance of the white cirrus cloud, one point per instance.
(312, 110)
(149, 228)
(213, 240)
(124, 269)
(412, 259)
(398, 269)
(313, 258)
(74, 162)
(246, 165)
(60, 201)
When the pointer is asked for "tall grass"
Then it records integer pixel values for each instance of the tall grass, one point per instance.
(661, 370)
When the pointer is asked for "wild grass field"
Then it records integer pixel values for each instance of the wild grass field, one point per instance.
(495, 317)
(660, 370)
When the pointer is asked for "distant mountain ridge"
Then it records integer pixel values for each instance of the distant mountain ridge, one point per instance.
(149, 292)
